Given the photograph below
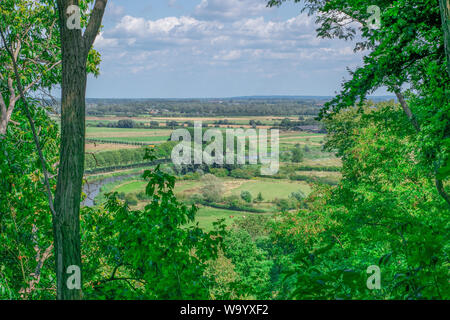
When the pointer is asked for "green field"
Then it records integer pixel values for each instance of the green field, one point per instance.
(128, 135)
(272, 189)
(206, 216)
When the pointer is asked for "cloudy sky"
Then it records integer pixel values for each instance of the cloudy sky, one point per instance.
(214, 48)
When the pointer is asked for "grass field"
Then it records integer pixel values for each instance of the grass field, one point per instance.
(240, 120)
(160, 135)
(270, 189)
(128, 135)
(206, 216)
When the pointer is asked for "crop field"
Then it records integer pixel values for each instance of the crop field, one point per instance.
(156, 136)
(152, 136)
(100, 147)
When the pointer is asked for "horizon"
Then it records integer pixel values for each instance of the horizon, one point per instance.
(237, 97)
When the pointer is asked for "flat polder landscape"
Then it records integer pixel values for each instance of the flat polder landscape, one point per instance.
(114, 163)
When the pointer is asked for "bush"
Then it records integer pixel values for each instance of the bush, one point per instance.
(299, 195)
(246, 196)
(131, 199)
(285, 205)
(219, 172)
(212, 189)
(259, 198)
(240, 173)
(127, 123)
(297, 154)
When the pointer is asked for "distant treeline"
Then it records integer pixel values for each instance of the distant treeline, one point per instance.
(206, 107)
(308, 124)
(125, 157)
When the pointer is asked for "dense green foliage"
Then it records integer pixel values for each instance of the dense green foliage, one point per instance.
(264, 106)
(389, 209)
(26, 262)
(149, 254)
(123, 157)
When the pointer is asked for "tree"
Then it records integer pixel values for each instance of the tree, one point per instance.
(26, 261)
(407, 51)
(212, 189)
(155, 253)
(30, 33)
(286, 122)
(246, 196)
(259, 197)
(445, 16)
(297, 154)
(76, 51)
(125, 123)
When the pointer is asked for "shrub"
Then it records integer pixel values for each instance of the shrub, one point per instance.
(259, 198)
(219, 172)
(212, 189)
(246, 196)
(131, 199)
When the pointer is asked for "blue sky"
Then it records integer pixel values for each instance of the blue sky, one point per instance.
(215, 48)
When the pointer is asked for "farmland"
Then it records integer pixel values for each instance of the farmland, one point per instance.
(265, 194)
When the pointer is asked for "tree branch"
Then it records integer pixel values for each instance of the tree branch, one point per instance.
(439, 184)
(33, 129)
(94, 24)
(407, 110)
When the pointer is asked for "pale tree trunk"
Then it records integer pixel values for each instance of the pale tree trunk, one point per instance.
(439, 184)
(5, 116)
(407, 110)
(445, 15)
(75, 48)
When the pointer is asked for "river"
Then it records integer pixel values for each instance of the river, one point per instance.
(93, 189)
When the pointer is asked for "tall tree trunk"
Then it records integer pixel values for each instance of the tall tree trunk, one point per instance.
(439, 184)
(66, 226)
(407, 110)
(445, 15)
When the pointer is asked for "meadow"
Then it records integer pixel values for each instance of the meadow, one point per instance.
(273, 193)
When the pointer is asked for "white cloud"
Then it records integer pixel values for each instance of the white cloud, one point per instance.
(229, 9)
(190, 43)
(101, 42)
(228, 55)
(174, 26)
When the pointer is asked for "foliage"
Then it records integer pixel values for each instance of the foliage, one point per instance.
(297, 154)
(26, 262)
(148, 254)
(246, 196)
(212, 189)
(385, 212)
(251, 265)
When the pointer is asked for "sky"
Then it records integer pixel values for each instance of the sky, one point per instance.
(215, 48)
